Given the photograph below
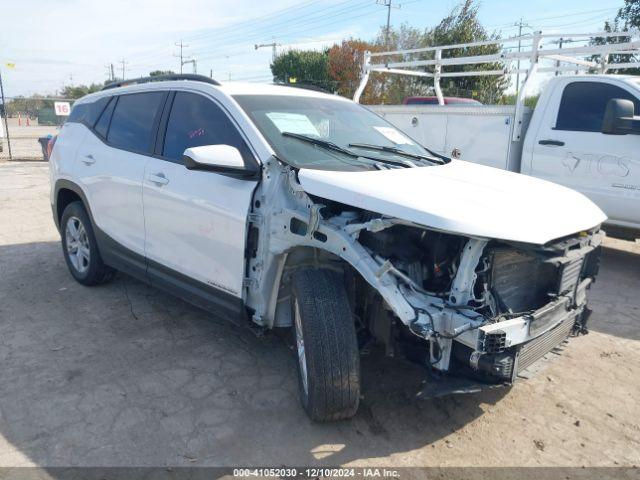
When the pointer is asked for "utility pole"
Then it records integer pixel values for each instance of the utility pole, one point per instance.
(123, 62)
(520, 25)
(561, 42)
(273, 45)
(181, 56)
(5, 115)
(388, 4)
(558, 61)
(113, 73)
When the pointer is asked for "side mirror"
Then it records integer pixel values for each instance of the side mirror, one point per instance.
(223, 159)
(618, 117)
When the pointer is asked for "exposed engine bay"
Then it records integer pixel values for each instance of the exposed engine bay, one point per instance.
(477, 307)
(511, 281)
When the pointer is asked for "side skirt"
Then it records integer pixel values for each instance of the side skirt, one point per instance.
(215, 301)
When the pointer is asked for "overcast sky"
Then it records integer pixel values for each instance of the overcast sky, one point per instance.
(59, 42)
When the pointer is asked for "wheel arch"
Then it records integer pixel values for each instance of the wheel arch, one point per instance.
(65, 193)
(294, 259)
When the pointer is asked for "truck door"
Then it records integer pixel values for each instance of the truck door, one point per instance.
(570, 149)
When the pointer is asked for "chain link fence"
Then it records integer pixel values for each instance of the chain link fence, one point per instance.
(29, 125)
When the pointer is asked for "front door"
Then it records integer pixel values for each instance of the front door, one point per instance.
(570, 149)
(195, 221)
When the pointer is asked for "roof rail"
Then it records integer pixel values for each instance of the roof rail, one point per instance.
(162, 78)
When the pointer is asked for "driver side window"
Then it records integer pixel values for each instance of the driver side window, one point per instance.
(195, 121)
(583, 104)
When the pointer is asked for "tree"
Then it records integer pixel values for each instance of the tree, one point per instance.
(344, 65)
(77, 91)
(302, 67)
(395, 88)
(462, 25)
(628, 17)
(630, 14)
(340, 68)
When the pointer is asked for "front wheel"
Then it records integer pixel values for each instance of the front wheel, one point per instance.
(326, 345)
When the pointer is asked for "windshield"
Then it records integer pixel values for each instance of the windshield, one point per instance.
(327, 134)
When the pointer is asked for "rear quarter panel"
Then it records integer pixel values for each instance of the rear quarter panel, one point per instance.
(63, 156)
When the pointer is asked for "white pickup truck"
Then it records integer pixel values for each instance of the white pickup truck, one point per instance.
(583, 134)
(565, 140)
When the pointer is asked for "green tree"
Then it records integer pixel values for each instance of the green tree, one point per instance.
(77, 91)
(302, 67)
(392, 89)
(340, 68)
(628, 17)
(26, 105)
(630, 14)
(462, 25)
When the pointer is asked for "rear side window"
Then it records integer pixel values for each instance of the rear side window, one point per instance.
(195, 121)
(583, 105)
(102, 126)
(133, 121)
(88, 113)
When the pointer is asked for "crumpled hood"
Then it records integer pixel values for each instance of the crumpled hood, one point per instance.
(463, 198)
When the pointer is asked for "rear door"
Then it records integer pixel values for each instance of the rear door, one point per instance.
(570, 149)
(196, 221)
(110, 168)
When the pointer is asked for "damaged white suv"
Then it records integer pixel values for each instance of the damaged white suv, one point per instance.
(307, 211)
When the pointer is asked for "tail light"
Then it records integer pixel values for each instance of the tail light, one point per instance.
(52, 142)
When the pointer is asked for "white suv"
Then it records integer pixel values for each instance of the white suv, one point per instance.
(302, 210)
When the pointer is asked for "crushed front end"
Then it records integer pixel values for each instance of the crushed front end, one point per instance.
(508, 306)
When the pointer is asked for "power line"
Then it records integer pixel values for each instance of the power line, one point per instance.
(571, 24)
(283, 26)
(253, 21)
(570, 13)
(301, 30)
(237, 33)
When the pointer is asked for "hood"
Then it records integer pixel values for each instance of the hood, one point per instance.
(463, 198)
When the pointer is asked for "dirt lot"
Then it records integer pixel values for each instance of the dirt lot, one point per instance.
(126, 375)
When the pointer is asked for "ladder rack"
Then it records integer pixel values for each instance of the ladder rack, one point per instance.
(566, 59)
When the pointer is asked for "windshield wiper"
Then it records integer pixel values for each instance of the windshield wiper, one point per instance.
(337, 148)
(397, 151)
(321, 143)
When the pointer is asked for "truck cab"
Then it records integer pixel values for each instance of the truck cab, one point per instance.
(565, 144)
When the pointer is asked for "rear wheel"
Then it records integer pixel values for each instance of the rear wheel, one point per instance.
(326, 345)
(80, 247)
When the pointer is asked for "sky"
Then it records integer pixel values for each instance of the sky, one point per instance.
(60, 42)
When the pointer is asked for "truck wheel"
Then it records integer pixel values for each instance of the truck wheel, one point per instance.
(80, 248)
(326, 345)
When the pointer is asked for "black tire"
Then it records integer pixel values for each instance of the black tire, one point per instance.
(330, 345)
(92, 271)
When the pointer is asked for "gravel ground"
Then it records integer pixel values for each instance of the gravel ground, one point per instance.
(123, 375)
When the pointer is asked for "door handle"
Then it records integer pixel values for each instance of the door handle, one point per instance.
(88, 160)
(158, 178)
(554, 143)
